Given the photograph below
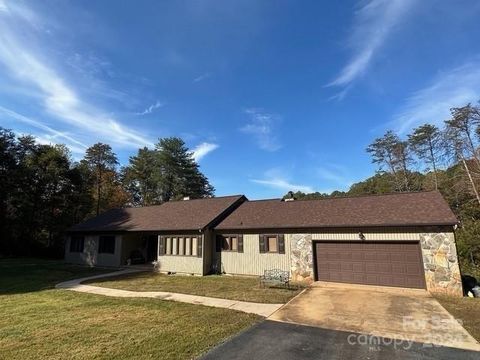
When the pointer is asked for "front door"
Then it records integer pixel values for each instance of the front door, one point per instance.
(152, 248)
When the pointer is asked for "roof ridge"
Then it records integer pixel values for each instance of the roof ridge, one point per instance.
(205, 198)
(372, 195)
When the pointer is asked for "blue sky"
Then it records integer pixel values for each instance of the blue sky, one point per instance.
(271, 95)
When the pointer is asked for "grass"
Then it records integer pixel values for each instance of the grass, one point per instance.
(465, 309)
(38, 321)
(226, 287)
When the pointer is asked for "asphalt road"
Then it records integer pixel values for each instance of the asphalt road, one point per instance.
(282, 341)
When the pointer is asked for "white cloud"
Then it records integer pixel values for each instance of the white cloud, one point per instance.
(373, 22)
(202, 77)
(261, 127)
(203, 149)
(431, 104)
(151, 108)
(336, 174)
(3, 6)
(57, 96)
(276, 178)
(283, 184)
(51, 134)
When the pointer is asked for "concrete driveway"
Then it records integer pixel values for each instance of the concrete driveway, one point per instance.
(404, 314)
(334, 321)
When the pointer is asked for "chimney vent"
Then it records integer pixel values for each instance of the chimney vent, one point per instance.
(290, 196)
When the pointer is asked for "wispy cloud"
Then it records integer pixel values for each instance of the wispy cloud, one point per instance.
(261, 127)
(151, 108)
(276, 178)
(3, 6)
(452, 88)
(337, 175)
(48, 135)
(373, 22)
(57, 97)
(202, 77)
(282, 184)
(203, 149)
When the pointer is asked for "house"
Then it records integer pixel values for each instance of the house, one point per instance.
(402, 239)
(188, 225)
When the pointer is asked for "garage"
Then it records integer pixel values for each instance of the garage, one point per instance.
(370, 263)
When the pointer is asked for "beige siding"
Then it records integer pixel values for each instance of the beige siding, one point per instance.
(90, 255)
(251, 261)
(393, 234)
(182, 263)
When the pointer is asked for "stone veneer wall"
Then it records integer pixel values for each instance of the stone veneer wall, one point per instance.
(301, 258)
(442, 272)
(440, 261)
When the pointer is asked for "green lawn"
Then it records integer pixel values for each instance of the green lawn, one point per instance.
(226, 287)
(465, 309)
(38, 321)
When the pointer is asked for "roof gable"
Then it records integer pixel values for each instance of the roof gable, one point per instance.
(171, 216)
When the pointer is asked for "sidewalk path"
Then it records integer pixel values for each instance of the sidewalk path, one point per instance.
(248, 307)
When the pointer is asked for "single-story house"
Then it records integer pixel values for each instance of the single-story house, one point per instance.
(402, 239)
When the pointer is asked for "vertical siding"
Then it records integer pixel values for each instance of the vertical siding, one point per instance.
(369, 236)
(182, 263)
(251, 261)
(90, 255)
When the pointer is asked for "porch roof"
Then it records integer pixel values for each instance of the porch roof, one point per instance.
(171, 216)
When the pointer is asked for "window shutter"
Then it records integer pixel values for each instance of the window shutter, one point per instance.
(262, 243)
(240, 243)
(199, 246)
(161, 245)
(281, 244)
(218, 244)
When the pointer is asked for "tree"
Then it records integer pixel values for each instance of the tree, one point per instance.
(460, 132)
(102, 163)
(178, 173)
(141, 178)
(463, 127)
(8, 171)
(389, 151)
(426, 142)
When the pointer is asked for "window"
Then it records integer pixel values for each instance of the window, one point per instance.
(106, 244)
(272, 243)
(229, 243)
(180, 246)
(76, 243)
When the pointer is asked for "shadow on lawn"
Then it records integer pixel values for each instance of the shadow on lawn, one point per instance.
(18, 276)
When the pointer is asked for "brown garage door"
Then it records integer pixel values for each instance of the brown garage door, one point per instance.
(372, 263)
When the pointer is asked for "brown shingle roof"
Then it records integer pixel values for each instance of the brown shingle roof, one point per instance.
(401, 209)
(170, 216)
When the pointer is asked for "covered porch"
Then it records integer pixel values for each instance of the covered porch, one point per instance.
(139, 249)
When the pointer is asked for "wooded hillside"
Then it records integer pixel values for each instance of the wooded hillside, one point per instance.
(429, 158)
(43, 191)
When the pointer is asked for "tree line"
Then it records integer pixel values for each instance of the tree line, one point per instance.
(43, 191)
(446, 159)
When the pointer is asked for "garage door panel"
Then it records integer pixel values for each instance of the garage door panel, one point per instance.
(385, 264)
(358, 255)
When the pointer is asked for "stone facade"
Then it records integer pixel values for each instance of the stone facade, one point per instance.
(301, 258)
(442, 272)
